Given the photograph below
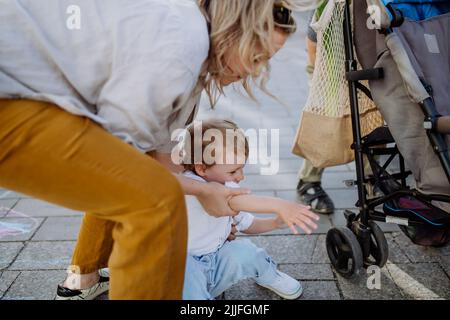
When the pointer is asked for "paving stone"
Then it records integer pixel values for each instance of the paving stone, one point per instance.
(249, 290)
(312, 290)
(279, 182)
(396, 254)
(414, 252)
(323, 225)
(308, 271)
(320, 251)
(357, 288)
(444, 251)
(6, 279)
(320, 290)
(44, 256)
(445, 264)
(9, 251)
(285, 166)
(7, 194)
(421, 280)
(343, 198)
(6, 205)
(335, 180)
(18, 229)
(38, 208)
(338, 218)
(287, 249)
(59, 228)
(35, 285)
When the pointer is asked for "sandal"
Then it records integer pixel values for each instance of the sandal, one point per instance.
(91, 293)
(313, 195)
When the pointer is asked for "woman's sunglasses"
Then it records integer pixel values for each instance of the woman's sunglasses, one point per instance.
(281, 15)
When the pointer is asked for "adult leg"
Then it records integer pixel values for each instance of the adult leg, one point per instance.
(92, 252)
(309, 173)
(68, 160)
(310, 191)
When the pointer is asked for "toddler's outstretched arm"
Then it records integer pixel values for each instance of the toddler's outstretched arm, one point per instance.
(293, 214)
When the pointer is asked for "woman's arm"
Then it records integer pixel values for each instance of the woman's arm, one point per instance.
(212, 196)
(293, 214)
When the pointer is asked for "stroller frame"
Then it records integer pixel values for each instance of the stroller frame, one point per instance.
(362, 242)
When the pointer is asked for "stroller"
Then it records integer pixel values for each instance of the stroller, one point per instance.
(405, 58)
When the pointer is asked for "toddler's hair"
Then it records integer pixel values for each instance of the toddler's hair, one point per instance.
(226, 128)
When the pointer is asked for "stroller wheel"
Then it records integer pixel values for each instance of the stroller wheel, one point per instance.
(344, 251)
(379, 250)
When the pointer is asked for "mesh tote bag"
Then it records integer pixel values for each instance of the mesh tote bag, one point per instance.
(325, 136)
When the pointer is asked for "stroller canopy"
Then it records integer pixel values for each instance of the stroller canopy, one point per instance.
(418, 10)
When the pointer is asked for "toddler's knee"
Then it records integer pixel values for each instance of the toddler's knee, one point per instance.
(246, 251)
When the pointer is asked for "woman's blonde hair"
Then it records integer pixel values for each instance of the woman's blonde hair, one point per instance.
(248, 25)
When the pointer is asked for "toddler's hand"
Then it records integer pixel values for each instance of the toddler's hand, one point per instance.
(293, 214)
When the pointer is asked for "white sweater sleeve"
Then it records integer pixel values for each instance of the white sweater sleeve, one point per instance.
(156, 64)
(139, 100)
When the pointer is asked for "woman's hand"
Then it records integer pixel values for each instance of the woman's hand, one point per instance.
(293, 214)
(214, 199)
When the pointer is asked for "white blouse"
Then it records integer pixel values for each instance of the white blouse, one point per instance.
(206, 233)
(130, 65)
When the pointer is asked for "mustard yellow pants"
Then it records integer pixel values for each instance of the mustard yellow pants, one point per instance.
(135, 219)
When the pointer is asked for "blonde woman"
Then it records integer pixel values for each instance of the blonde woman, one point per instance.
(91, 92)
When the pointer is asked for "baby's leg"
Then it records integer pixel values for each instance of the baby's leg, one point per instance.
(195, 281)
(239, 260)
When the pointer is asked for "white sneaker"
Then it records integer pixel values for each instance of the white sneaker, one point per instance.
(285, 286)
(91, 293)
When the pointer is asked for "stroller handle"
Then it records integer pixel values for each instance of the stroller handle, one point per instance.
(443, 125)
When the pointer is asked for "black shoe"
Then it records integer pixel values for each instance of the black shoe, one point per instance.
(312, 194)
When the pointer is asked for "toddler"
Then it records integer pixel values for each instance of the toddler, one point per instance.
(213, 263)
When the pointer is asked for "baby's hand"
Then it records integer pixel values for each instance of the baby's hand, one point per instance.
(293, 214)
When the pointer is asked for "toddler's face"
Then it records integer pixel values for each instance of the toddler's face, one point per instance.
(222, 173)
(231, 168)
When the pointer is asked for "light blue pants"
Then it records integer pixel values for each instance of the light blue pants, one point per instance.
(210, 275)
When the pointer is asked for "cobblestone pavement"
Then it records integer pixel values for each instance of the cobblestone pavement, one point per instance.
(33, 258)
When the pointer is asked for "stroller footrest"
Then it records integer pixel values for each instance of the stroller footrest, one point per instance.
(409, 207)
(366, 74)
